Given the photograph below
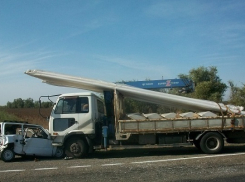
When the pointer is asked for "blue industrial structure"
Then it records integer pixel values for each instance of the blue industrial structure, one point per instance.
(186, 85)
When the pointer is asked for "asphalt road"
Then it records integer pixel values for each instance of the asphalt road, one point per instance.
(167, 164)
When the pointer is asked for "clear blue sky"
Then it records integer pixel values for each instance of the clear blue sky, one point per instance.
(116, 40)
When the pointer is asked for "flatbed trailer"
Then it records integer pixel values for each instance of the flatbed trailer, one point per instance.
(206, 133)
(178, 125)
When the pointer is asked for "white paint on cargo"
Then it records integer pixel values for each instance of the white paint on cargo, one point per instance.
(187, 115)
(136, 116)
(169, 115)
(207, 114)
(152, 116)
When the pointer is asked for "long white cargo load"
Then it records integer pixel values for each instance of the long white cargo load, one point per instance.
(133, 92)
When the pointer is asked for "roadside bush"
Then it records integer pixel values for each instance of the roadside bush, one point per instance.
(27, 103)
(6, 116)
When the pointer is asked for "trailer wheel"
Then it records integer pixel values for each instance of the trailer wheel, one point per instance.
(7, 155)
(76, 148)
(212, 143)
(59, 153)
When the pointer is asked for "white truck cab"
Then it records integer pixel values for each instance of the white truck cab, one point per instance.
(76, 120)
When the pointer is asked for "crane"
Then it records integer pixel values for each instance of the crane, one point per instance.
(186, 85)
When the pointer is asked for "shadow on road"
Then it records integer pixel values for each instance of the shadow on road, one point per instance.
(130, 153)
(170, 151)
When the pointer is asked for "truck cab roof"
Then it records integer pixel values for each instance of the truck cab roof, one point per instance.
(78, 94)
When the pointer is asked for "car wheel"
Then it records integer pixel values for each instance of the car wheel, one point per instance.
(7, 155)
(59, 153)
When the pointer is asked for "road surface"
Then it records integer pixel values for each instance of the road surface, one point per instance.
(150, 165)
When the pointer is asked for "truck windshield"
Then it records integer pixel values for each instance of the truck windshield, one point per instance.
(72, 105)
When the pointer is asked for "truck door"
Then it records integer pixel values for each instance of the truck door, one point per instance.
(65, 115)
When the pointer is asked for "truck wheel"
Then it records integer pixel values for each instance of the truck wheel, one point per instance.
(76, 148)
(7, 155)
(212, 143)
(59, 153)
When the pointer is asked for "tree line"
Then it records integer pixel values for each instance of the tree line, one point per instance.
(28, 103)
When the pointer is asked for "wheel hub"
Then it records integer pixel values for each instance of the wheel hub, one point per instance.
(74, 148)
(8, 155)
(212, 143)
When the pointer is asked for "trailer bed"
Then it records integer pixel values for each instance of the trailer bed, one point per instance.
(181, 125)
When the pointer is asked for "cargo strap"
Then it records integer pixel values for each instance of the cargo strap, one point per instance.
(223, 118)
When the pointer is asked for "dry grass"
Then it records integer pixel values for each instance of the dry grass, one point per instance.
(31, 115)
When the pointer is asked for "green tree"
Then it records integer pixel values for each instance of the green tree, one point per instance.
(9, 105)
(46, 104)
(36, 104)
(28, 103)
(237, 94)
(208, 84)
(18, 103)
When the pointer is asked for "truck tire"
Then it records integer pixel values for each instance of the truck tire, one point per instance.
(7, 155)
(76, 148)
(212, 143)
(60, 153)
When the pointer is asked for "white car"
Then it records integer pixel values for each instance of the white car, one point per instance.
(20, 138)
